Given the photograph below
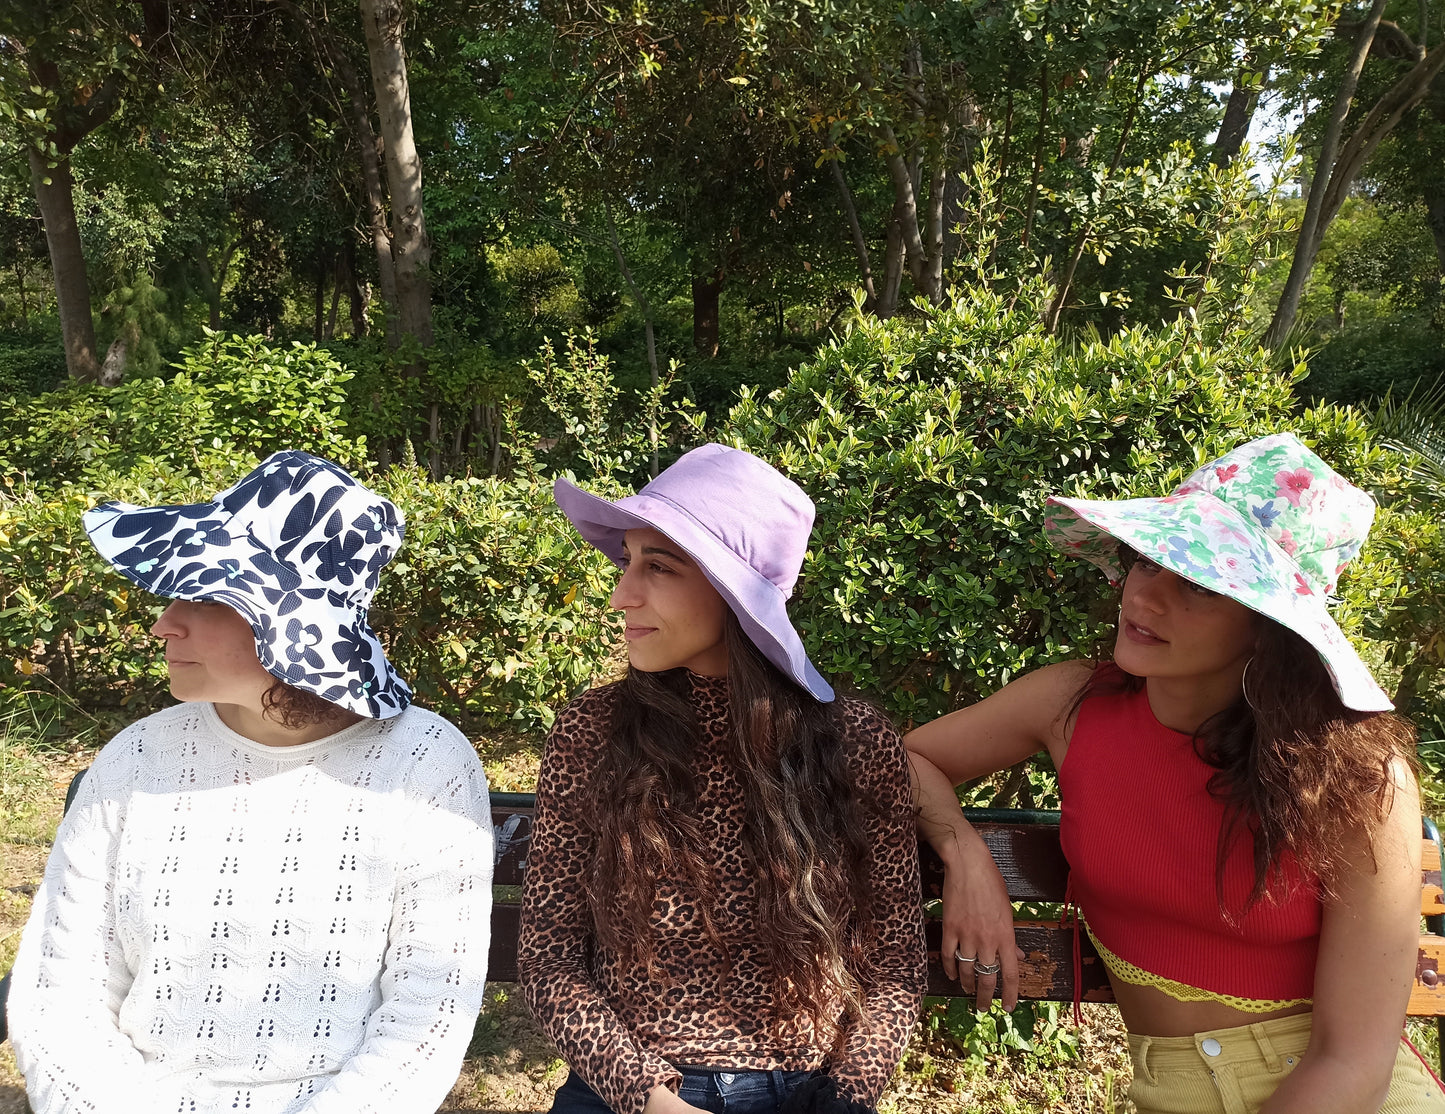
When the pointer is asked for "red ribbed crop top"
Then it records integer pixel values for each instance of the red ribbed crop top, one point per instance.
(1140, 831)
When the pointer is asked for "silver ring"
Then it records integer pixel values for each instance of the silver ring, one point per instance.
(964, 958)
(987, 969)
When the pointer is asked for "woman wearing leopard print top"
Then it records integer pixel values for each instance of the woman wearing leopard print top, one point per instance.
(722, 900)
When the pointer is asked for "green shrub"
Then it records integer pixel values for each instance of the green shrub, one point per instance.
(229, 397)
(930, 448)
(30, 368)
(492, 608)
(1363, 364)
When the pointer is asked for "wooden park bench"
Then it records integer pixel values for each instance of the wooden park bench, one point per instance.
(1025, 844)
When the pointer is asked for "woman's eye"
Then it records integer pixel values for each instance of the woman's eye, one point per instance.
(1200, 589)
(1146, 565)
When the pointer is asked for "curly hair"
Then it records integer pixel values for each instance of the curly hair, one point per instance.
(292, 707)
(1302, 777)
(804, 832)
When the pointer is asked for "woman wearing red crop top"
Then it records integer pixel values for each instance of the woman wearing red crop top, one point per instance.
(1240, 811)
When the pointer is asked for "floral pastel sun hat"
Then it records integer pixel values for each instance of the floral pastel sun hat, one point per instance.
(1269, 525)
(296, 548)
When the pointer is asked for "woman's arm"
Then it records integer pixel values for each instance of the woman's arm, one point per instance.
(1000, 731)
(435, 968)
(1368, 947)
(557, 933)
(70, 977)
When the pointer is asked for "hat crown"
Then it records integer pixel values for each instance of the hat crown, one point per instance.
(744, 502)
(1295, 499)
(316, 518)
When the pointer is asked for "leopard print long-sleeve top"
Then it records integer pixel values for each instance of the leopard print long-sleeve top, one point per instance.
(625, 1035)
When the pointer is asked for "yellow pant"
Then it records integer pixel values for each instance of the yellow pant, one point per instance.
(1233, 1071)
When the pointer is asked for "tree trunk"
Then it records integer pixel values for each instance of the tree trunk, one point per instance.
(318, 324)
(892, 269)
(1033, 195)
(642, 303)
(366, 143)
(705, 294)
(1311, 229)
(1388, 111)
(385, 22)
(860, 243)
(1238, 115)
(20, 283)
(54, 190)
(338, 280)
(1435, 218)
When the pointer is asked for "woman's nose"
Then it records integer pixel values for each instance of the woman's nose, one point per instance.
(169, 624)
(624, 593)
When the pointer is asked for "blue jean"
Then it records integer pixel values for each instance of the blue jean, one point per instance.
(721, 1092)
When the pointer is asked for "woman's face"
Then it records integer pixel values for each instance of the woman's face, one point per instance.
(1171, 628)
(211, 654)
(674, 614)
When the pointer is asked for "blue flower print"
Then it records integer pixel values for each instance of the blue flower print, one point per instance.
(1179, 552)
(281, 575)
(303, 641)
(304, 517)
(266, 485)
(336, 559)
(265, 630)
(352, 649)
(230, 573)
(287, 602)
(377, 523)
(1266, 513)
(204, 535)
(362, 684)
(142, 560)
(159, 522)
(178, 583)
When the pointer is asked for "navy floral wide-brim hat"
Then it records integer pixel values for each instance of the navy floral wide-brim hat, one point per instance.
(296, 548)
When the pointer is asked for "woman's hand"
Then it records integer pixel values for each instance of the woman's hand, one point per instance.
(664, 1101)
(978, 923)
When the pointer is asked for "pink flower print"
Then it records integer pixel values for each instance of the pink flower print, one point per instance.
(1293, 485)
(1224, 475)
(1286, 542)
(1302, 586)
(1186, 489)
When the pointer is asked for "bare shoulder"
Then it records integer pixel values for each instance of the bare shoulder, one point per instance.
(1024, 717)
(1042, 699)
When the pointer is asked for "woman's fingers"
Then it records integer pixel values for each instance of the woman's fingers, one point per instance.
(1009, 972)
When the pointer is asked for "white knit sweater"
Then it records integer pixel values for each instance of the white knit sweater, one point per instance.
(230, 926)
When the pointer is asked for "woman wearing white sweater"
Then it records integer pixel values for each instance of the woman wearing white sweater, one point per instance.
(274, 897)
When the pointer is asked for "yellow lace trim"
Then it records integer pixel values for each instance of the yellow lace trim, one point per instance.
(1183, 992)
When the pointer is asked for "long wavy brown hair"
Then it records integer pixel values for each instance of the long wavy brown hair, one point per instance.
(1302, 776)
(804, 832)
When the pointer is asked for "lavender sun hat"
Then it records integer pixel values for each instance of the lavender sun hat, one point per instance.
(296, 548)
(1269, 524)
(743, 522)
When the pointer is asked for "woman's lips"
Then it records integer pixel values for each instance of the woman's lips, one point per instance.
(634, 633)
(1142, 635)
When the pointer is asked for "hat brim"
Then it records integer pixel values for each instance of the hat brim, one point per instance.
(760, 607)
(330, 650)
(1179, 532)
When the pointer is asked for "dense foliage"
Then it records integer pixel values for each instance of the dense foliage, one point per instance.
(928, 447)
